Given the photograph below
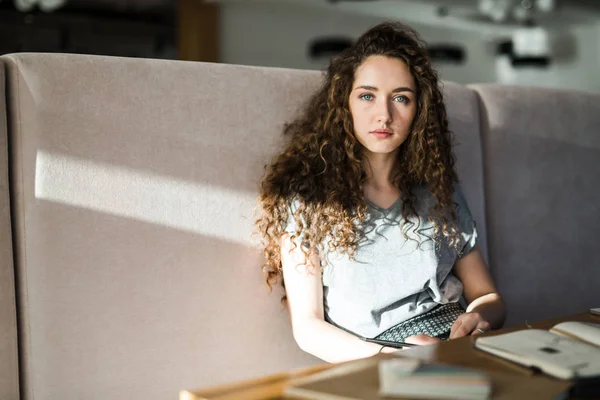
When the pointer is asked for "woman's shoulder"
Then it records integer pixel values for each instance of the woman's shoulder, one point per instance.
(459, 196)
(425, 199)
(423, 195)
(294, 202)
(423, 191)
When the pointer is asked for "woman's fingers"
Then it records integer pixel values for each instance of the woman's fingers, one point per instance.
(467, 324)
(421, 339)
(482, 327)
(463, 326)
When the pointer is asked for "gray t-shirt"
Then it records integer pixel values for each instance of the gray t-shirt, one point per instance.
(391, 278)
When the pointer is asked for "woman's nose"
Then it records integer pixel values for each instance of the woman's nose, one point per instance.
(384, 113)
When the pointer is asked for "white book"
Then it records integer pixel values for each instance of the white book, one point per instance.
(414, 379)
(568, 350)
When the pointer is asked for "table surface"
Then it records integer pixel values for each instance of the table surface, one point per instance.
(459, 352)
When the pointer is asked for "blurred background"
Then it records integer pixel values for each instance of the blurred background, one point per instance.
(529, 42)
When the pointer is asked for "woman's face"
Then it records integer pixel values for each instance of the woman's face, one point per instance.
(383, 103)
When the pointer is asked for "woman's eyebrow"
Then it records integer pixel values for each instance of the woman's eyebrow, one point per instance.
(374, 89)
(403, 89)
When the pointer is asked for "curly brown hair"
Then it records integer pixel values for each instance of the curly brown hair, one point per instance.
(322, 166)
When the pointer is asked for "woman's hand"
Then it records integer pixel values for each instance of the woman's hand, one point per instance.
(422, 339)
(469, 323)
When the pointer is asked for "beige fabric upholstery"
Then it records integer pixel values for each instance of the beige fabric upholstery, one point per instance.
(134, 183)
(542, 172)
(9, 368)
(463, 114)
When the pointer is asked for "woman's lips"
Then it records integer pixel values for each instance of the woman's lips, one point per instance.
(382, 133)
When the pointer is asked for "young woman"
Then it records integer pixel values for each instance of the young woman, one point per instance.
(363, 215)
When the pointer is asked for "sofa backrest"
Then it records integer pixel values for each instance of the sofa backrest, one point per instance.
(542, 188)
(133, 188)
(134, 184)
(9, 362)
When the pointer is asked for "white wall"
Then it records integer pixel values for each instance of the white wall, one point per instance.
(277, 33)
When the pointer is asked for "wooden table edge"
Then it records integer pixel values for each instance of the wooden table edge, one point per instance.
(257, 388)
(274, 385)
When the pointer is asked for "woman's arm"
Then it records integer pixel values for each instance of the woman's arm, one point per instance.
(485, 308)
(304, 291)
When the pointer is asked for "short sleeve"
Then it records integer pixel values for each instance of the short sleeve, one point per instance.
(466, 224)
(291, 226)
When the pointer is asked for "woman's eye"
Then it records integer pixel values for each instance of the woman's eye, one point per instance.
(402, 99)
(366, 96)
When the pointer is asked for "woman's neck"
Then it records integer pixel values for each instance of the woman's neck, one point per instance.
(380, 169)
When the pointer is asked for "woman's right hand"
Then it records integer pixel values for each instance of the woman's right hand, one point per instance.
(422, 340)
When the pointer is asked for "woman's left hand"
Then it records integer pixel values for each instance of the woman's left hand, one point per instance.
(469, 323)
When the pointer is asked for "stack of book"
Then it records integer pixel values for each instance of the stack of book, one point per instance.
(394, 377)
(411, 378)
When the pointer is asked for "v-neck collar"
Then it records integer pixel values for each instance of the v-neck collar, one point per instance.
(382, 209)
